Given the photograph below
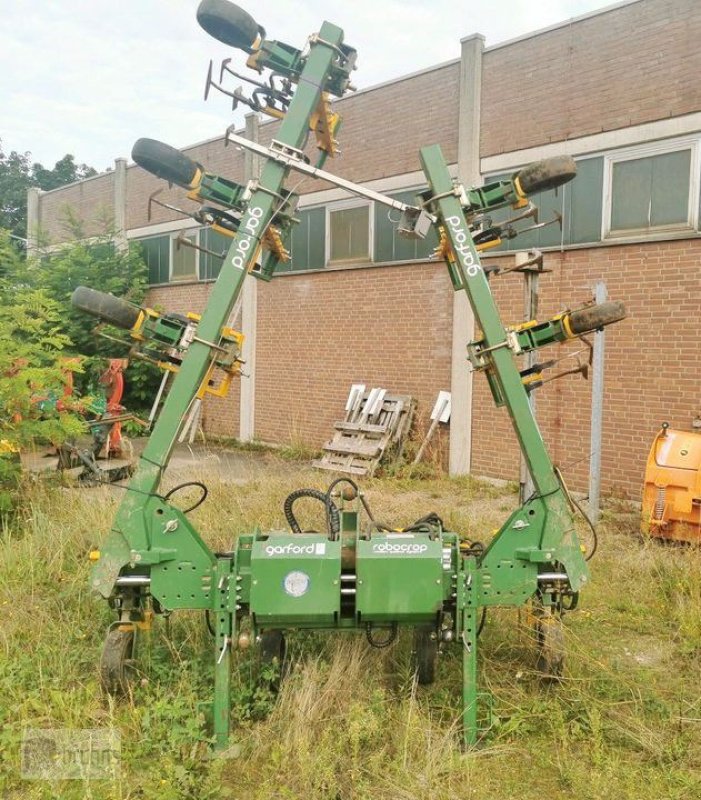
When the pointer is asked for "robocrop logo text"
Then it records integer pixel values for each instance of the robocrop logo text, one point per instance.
(400, 549)
(462, 247)
(313, 549)
(245, 238)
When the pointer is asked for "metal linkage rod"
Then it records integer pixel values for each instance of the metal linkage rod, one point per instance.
(293, 160)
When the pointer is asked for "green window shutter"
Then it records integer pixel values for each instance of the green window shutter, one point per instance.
(184, 260)
(350, 234)
(631, 192)
(307, 241)
(650, 192)
(671, 173)
(389, 246)
(156, 253)
(583, 221)
(210, 265)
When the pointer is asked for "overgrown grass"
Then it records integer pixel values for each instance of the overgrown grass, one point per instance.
(350, 721)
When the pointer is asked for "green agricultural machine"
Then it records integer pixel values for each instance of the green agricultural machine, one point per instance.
(356, 575)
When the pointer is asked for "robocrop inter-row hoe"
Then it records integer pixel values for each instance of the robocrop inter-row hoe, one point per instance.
(356, 575)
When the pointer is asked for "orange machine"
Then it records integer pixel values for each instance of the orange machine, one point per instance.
(672, 489)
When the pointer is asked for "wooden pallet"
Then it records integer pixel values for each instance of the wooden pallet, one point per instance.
(376, 425)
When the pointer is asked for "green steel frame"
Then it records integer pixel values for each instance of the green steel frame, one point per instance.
(280, 580)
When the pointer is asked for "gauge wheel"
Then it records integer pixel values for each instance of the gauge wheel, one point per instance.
(551, 643)
(107, 307)
(596, 317)
(164, 161)
(273, 649)
(425, 653)
(117, 668)
(548, 174)
(228, 23)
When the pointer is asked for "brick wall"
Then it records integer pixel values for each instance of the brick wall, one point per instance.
(319, 333)
(391, 327)
(652, 362)
(91, 202)
(624, 67)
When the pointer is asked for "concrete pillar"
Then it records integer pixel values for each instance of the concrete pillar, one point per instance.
(472, 48)
(120, 203)
(249, 309)
(33, 220)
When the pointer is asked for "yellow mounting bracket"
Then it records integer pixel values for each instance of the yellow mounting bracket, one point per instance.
(273, 242)
(445, 252)
(324, 123)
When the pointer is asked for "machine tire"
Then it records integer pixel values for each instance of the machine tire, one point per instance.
(117, 663)
(107, 307)
(164, 161)
(425, 654)
(548, 174)
(228, 23)
(594, 317)
(551, 644)
(273, 649)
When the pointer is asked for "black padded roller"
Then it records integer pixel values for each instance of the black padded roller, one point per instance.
(228, 23)
(107, 307)
(593, 317)
(547, 174)
(165, 162)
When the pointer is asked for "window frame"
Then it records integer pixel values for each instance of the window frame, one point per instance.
(172, 236)
(186, 232)
(649, 150)
(343, 205)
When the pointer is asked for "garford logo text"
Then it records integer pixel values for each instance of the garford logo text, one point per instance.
(404, 549)
(245, 238)
(291, 549)
(462, 246)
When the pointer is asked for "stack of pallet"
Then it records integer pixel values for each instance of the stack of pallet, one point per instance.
(376, 425)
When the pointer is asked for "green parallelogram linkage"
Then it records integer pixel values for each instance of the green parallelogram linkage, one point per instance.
(134, 521)
(543, 530)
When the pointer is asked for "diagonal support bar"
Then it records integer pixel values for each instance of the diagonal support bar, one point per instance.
(557, 533)
(132, 525)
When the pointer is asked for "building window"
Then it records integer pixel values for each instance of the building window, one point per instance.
(218, 246)
(349, 233)
(652, 189)
(169, 260)
(306, 241)
(156, 253)
(183, 258)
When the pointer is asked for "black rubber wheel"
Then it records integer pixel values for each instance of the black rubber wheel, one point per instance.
(107, 307)
(543, 175)
(228, 23)
(593, 317)
(425, 653)
(165, 162)
(117, 664)
(273, 649)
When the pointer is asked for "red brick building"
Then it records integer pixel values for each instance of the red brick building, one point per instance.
(617, 89)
